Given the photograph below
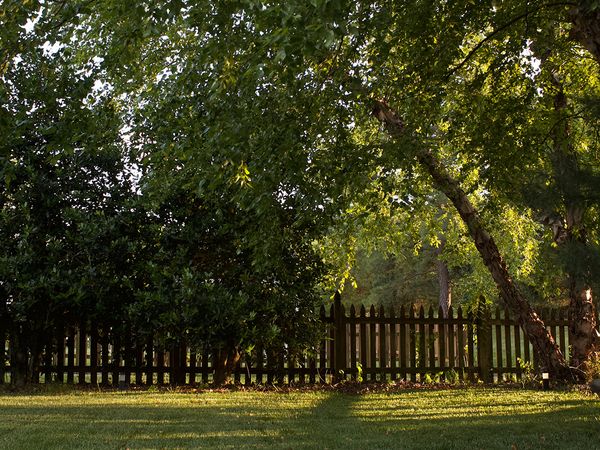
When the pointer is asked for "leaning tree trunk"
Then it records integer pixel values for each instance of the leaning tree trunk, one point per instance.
(543, 343)
(545, 348)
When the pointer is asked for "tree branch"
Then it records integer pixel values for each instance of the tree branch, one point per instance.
(501, 29)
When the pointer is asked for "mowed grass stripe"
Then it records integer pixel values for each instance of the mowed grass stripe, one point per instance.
(437, 419)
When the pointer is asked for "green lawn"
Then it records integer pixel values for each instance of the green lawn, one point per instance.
(443, 419)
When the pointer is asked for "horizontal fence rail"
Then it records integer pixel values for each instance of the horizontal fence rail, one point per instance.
(370, 345)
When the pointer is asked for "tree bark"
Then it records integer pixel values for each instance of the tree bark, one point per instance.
(586, 27)
(546, 350)
(583, 335)
(225, 361)
(18, 362)
(25, 357)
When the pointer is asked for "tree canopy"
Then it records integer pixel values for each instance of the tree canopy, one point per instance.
(232, 154)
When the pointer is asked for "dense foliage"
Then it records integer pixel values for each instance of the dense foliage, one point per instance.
(202, 153)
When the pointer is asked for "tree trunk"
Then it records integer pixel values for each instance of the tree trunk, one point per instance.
(586, 27)
(570, 231)
(226, 360)
(546, 350)
(445, 298)
(583, 335)
(445, 293)
(21, 363)
(25, 355)
(18, 363)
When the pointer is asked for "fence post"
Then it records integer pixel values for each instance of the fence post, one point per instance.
(339, 341)
(484, 341)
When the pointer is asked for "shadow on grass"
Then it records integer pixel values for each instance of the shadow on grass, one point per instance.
(319, 420)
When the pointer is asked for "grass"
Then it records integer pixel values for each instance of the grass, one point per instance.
(473, 418)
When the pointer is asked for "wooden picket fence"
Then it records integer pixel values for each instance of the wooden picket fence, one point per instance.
(372, 345)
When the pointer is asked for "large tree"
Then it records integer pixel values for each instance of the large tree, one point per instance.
(495, 99)
(64, 192)
(220, 249)
(313, 102)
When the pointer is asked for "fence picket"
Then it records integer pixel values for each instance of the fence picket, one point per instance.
(526, 350)
(60, 354)
(382, 344)
(149, 361)
(403, 345)
(205, 365)
(451, 345)
(94, 354)
(48, 357)
(372, 345)
(70, 355)
(412, 337)
(518, 357)
(470, 347)
(280, 366)
(116, 359)
(499, 352)
(331, 346)
(393, 350)
(352, 323)
(104, 357)
(322, 349)
(507, 341)
(422, 344)
(460, 332)
(339, 339)
(442, 339)
(139, 363)
(160, 365)
(363, 338)
(431, 340)
(128, 356)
